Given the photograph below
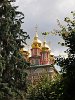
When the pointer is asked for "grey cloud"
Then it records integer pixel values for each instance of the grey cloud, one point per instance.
(44, 13)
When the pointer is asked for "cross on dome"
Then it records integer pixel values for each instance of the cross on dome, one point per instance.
(36, 34)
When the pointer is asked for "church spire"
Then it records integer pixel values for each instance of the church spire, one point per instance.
(36, 42)
(36, 33)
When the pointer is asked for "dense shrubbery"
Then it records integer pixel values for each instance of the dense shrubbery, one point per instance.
(47, 89)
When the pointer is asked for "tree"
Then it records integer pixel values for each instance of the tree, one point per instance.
(47, 89)
(12, 64)
(68, 64)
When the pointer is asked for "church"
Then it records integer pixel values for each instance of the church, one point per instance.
(41, 61)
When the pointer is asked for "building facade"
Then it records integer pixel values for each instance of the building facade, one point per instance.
(41, 61)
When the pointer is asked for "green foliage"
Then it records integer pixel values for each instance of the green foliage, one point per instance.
(68, 64)
(46, 90)
(12, 64)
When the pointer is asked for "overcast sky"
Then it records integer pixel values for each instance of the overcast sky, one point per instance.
(45, 13)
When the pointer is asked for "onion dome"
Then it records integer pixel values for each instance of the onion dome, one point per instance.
(24, 51)
(36, 42)
(52, 54)
(52, 58)
(45, 46)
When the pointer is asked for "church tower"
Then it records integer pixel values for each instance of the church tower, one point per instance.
(45, 53)
(25, 54)
(41, 61)
(35, 51)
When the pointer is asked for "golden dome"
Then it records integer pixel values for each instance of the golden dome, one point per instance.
(45, 46)
(36, 42)
(52, 53)
(24, 51)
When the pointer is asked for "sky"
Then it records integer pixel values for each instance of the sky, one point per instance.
(45, 13)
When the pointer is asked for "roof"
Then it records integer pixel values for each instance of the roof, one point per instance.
(42, 66)
(45, 45)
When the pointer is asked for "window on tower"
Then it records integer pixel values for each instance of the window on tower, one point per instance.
(37, 61)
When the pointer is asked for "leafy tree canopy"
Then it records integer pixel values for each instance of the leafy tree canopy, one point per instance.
(12, 64)
(47, 89)
(68, 64)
